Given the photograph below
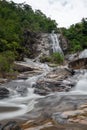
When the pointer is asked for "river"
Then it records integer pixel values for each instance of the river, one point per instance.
(43, 112)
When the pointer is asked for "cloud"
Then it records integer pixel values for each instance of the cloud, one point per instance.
(51, 1)
(65, 12)
(64, 3)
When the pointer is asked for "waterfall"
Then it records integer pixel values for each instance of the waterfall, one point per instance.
(55, 43)
(81, 86)
(22, 97)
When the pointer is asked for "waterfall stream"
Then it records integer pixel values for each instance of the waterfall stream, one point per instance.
(55, 43)
(22, 97)
(23, 101)
(81, 86)
(20, 101)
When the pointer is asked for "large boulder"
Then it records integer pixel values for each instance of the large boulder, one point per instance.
(78, 64)
(21, 67)
(53, 82)
(78, 60)
(47, 86)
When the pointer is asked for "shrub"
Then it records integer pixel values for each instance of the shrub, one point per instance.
(57, 58)
(54, 58)
(6, 61)
(45, 59)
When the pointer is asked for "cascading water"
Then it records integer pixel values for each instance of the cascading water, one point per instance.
(23, 101)
(55, 43)
(81, 86)
(22, 98)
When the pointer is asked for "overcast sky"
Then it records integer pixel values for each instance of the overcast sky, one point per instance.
(65, 12)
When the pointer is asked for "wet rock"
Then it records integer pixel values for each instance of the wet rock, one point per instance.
(78, 64)
(4, 92)
(54, 87)
(53, 82)
(83, 106)
(46, 87)
(41, 91)
(69, 114)
(71, 71)
(0, 126)
(57, 117)
(28, 66)
(73, 116)
(22, 67)
(22, 90)
(71, 57)
(11, 125)
(2, 80)
(60, 73)
(78, 60)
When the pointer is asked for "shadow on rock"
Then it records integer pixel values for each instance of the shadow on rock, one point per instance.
(11, 125)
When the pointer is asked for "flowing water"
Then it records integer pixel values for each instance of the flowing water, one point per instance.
(24, 104)
(22, 98)
(55, 43)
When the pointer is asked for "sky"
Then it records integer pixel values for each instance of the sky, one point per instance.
(65, 12)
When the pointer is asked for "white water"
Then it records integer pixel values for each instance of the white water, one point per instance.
(55, 43)
(81, 86)
(83, 54)
(18, 104)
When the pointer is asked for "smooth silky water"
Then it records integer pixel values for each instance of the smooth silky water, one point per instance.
(30, 105)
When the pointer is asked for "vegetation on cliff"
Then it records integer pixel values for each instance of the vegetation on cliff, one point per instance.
(19, 24)
(55, 58)
(15, 19)
(76, 36)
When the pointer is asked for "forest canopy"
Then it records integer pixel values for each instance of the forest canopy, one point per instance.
(76, 36)
(15, 19)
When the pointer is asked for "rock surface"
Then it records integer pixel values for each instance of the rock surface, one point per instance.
(22, 67)
(4, 93)
(75, 116)
(79, 64)
(53, 82)
(11, 125)
(3, 80)
(77, 60)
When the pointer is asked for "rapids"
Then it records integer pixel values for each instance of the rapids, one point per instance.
(22, 98)
(43, 111)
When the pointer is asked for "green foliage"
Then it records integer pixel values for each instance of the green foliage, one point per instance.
(75, 46)
(57, 58)
(6, 61)
(45, 59)
(76, 36)
(15, 19)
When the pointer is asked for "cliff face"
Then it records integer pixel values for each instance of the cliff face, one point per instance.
(41, 44)
(63, 43)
